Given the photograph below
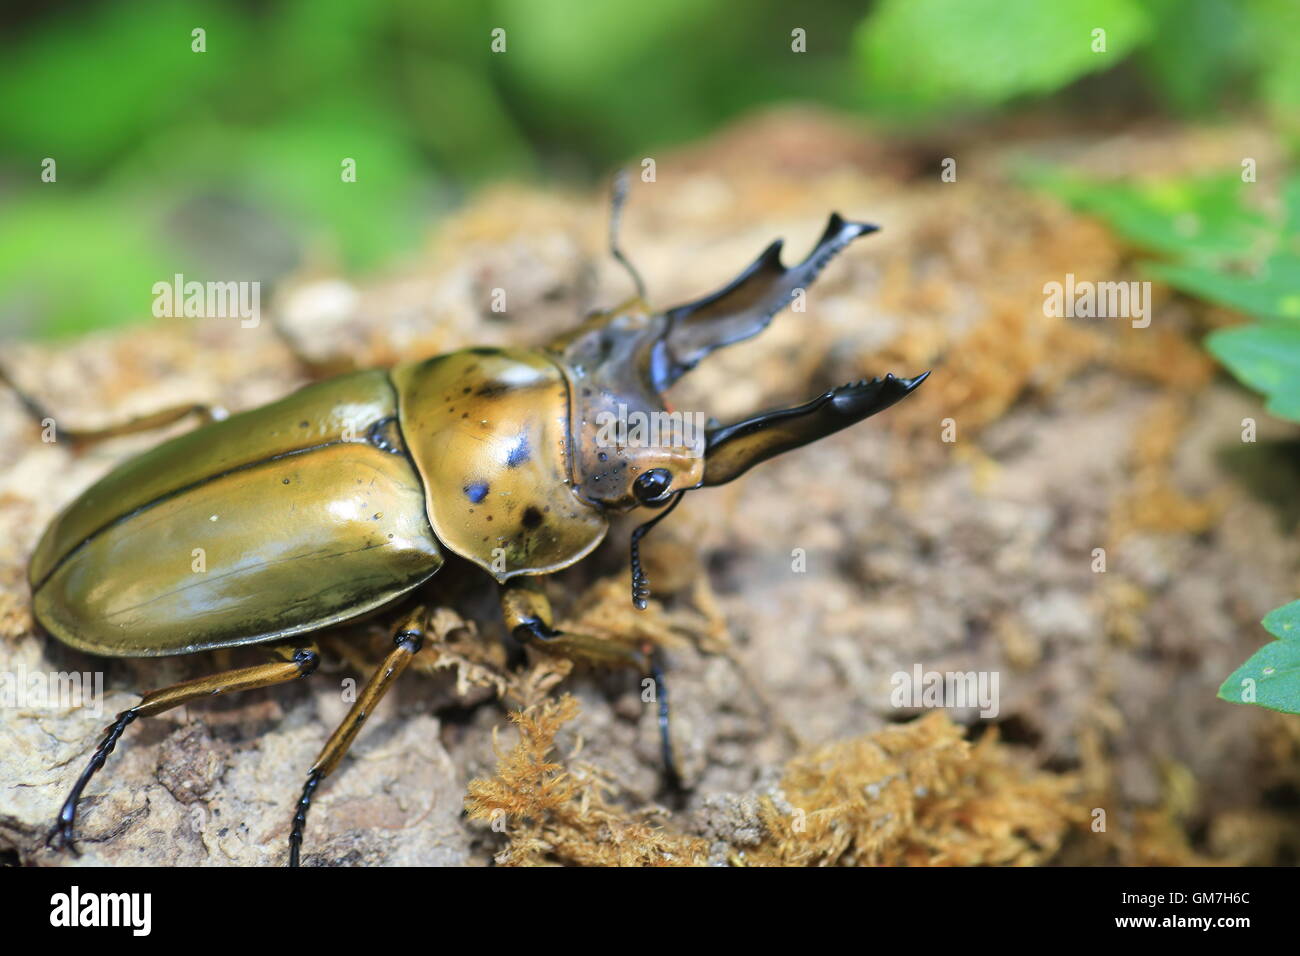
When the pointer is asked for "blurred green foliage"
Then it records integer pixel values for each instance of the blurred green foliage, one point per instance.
(1271, 677)
(1200, 220)
(920, 59)
(1217, 247)
(912, 69)
(226, 163)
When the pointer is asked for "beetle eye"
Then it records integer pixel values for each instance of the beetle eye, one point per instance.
(652, 487)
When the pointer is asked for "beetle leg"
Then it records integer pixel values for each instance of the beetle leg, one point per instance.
(42, 416)
(407, 641)
(302, 663)
(528, 616)
(655, 656)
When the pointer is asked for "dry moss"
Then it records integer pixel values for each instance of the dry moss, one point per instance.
(914, 795)
(554, 815)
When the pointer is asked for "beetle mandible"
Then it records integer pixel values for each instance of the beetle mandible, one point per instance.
(343, 497)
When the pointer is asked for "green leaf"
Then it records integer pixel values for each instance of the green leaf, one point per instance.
(1265, 357)
(927, 56)
(1284, 622)
(1274, 293)
(1201, 220)
(1270, 678)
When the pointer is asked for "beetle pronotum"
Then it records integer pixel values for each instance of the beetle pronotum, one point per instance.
(341, 498)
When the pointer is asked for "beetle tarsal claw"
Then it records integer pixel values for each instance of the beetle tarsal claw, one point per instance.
(62, 836)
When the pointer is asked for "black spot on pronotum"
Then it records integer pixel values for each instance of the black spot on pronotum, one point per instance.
(476, 491)
(481, 350)
(492, 389)
(532, 517)
(519, 452)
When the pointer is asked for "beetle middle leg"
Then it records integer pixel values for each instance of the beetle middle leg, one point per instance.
(407, 641)
(295, 663)
(166, 416)
(528, 617)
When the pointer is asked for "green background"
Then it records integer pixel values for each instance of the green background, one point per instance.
(226, 163)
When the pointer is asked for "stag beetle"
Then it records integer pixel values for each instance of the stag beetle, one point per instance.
(343, 497)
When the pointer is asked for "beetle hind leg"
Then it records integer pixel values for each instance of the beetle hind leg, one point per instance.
(63, 833)
(83, 437)
(407, 641)
(301, 663)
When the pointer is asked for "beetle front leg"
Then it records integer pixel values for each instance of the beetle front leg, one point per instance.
(528, 617)
(407, 641)
(302, 662)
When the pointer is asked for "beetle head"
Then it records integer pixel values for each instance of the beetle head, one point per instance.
(628, 449)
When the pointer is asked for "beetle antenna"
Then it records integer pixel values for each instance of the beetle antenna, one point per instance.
(640, 583)
(617, 202)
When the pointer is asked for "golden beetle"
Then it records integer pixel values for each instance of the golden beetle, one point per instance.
(340, 499)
